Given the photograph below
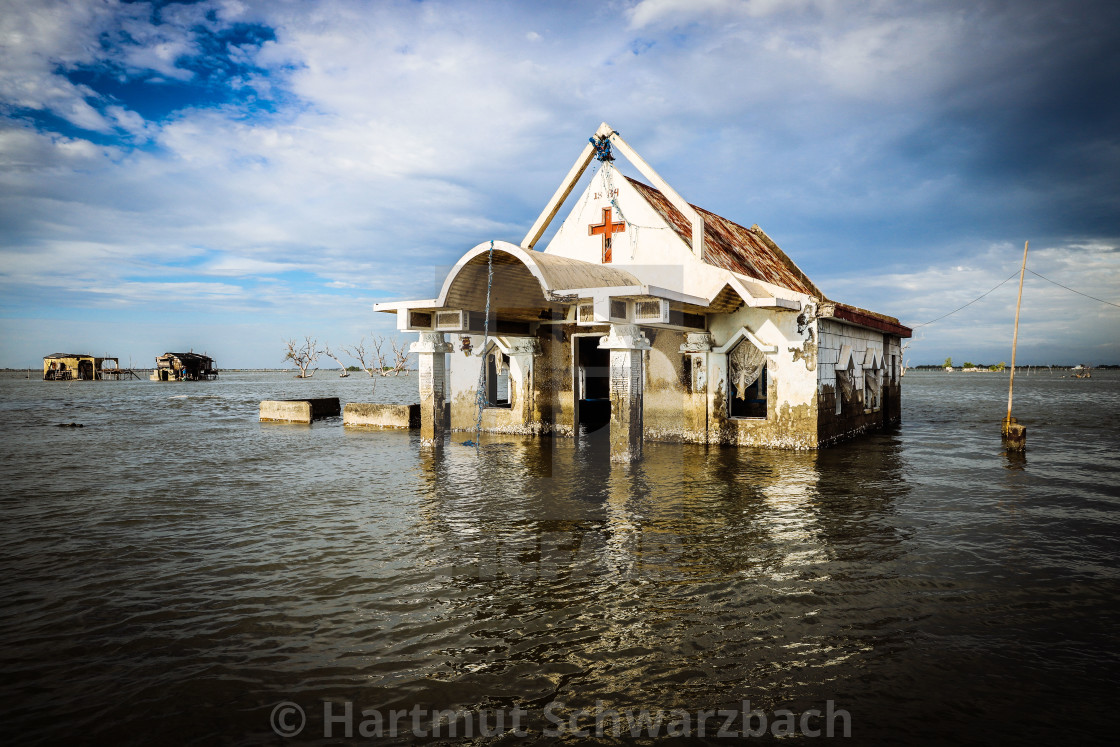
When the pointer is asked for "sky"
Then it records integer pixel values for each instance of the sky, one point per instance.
(226, 174)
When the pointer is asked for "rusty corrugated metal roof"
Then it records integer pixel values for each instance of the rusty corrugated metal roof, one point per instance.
(748, 251)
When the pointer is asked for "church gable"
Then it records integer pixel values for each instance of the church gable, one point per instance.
(618, 220)
(612, 223)
(660, 227)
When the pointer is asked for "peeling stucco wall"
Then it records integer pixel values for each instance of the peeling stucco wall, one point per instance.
(556, 378)
(673, 412)
(525, 414)
(791, 391)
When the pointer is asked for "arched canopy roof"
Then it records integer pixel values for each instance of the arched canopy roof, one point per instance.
(524, 282)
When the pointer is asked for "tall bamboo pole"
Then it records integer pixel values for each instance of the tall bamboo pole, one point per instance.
(1014, 435)
(1015, 335)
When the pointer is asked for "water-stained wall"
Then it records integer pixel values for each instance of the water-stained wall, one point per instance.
(673, 411)
(555, 377)
(791, 375)
(848, 409)
(528, 411)
(686, 384)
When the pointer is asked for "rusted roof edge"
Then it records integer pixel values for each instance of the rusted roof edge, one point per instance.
(185, 356)
(866, 318)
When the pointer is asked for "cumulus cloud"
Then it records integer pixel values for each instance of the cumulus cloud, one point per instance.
(681, 12)
(339, 152)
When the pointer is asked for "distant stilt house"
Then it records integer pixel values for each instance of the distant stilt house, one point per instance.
(184, 367)
(75, 366)
(661, 320)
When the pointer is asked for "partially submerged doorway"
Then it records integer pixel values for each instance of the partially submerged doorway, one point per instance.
(592, 390)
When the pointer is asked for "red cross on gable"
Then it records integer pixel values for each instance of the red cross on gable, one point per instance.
(605, 229)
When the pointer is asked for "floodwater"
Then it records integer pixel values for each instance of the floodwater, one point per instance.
(177, 571)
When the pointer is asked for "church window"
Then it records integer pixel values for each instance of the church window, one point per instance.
(845, 386)
(747, 381)
(872, 388)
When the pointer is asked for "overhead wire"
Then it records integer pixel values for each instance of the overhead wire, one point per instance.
(1037, 274)
(480, 395)
(1071, 290)
(954, 311)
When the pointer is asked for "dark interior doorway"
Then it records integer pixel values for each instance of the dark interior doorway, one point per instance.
(593, 391)
(497, 378)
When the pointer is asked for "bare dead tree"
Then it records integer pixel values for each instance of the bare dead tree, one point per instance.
(400, 358)
(327, 352)
(302, 355)
(366, 358)
(373, 359)
(378, 343)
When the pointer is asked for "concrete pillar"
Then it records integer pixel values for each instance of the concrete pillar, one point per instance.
(430, 351)
(522, 350)
(627, 345)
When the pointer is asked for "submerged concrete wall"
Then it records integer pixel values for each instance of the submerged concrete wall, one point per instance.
(540, 383)
(517, 416)
(285, 411)
(299, 410)
(676, 403)
(376, 415)
(556, 377)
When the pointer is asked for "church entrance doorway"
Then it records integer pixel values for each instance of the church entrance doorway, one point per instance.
(592, 390)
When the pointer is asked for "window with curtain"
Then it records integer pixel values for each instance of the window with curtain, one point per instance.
(872, 387)
(746, 372)
(846, 387)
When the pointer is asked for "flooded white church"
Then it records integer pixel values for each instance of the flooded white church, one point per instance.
(651, 316)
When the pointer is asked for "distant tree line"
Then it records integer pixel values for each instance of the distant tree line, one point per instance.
(967, 365)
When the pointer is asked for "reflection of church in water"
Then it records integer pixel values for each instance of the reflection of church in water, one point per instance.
(655, 317)
(559, 543)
